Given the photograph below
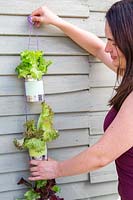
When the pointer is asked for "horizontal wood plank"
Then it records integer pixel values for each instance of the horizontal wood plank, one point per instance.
(18, 25)
(101, 76)
(11, 85)
(73, 191)
(69, 102)
(64, 8)
(103, 6)
(15, 177)
(60, 103)
(50, 45)
(60, 65)
(8, 161)
(61, 122)
(99, 98)
(66, 139)
(96, 121)
(105, 197)
(88, 190)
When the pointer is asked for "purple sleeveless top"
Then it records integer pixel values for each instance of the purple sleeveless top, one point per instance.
(124, 164)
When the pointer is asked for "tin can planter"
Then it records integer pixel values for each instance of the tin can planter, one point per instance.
(35, 140)
(32, 67)
(42, 155)
(34, 90)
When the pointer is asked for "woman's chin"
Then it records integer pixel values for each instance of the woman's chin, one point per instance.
(115, 63)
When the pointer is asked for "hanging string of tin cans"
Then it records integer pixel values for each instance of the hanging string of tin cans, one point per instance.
(32, 67)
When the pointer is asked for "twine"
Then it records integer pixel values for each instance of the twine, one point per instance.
(31, 23)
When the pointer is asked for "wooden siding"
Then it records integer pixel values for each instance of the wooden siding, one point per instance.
(77, 88)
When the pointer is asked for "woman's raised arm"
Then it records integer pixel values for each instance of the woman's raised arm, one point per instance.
(88, 41)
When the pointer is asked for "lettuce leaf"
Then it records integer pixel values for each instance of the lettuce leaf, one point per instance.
(35, 137)
(31, 195)
(34, 143)
(32, 64)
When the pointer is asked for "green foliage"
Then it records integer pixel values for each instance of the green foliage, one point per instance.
(45, 123)
(19, 143)
(56, 188)
(34, 143)
(32, 131)
(40, 184)
(41, 190)
(35, 137)
(32, 64)
(31, 195)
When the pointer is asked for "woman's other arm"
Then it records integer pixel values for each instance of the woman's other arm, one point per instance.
(117, 139)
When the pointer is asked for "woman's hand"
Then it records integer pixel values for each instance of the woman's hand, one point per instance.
(44, 170)
(44, 15)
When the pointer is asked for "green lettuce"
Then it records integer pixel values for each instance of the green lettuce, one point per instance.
(41, 190)
(31, 195)
(32, 64)
(34, 139)
(35, 136)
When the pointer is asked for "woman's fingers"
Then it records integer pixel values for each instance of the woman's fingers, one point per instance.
(37, 24)
(33, 169)
(37, 162)
(37, 12)
(37, 19)
(43, 170)
(35, 178)
(34, 174)
(34, 162)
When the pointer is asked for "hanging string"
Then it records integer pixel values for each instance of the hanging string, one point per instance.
(30, 30)
(31, 23)
(26, 109)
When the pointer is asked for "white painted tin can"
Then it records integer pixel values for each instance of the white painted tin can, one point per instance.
(34, 90)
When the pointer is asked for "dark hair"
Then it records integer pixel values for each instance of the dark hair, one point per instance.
(120, 20)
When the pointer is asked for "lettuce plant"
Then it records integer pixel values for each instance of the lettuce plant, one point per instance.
(32, 65)
(34, 139)
(41, 190)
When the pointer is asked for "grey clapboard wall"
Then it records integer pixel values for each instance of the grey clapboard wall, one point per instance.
(77, 87)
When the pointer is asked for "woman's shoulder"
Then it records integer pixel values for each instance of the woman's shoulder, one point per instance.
(127, 105)
(129, 100)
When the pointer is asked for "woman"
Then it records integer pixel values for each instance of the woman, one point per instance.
(117, 142)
